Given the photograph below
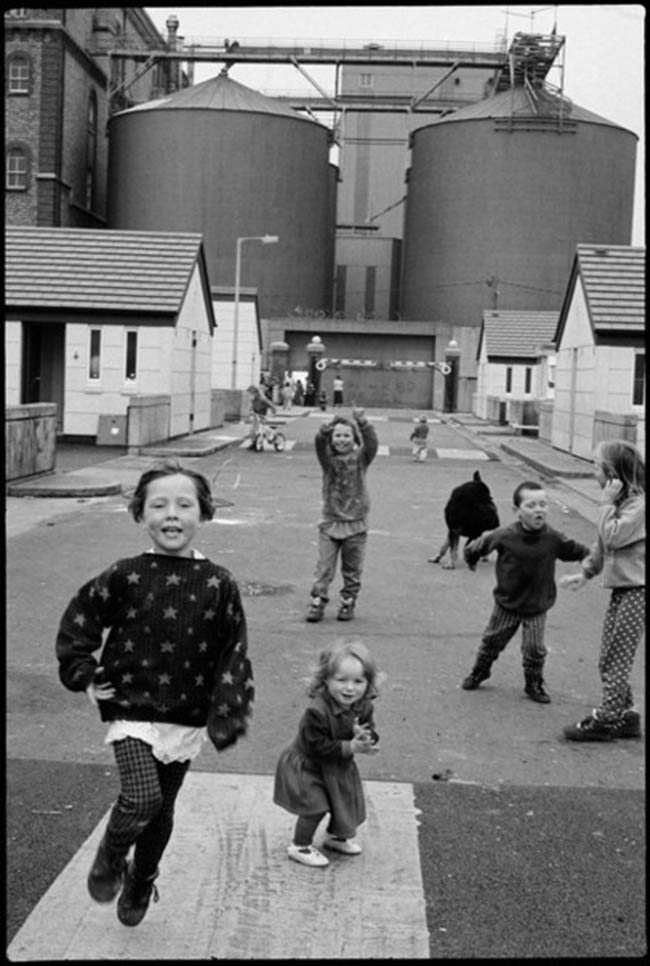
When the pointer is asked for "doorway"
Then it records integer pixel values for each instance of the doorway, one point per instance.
(43, 365)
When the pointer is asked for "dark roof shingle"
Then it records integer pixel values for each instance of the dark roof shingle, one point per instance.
(115, 271)
(613, 279)
(517, 334)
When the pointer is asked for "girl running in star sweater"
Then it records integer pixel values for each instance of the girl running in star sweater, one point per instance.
(173, 669)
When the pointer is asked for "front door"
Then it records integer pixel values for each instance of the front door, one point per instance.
(43, 365)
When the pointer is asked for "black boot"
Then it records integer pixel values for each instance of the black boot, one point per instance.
(535, 687)
(136, 896)
(479, 673)
(106, 874)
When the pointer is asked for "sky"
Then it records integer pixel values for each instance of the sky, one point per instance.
(603, 67)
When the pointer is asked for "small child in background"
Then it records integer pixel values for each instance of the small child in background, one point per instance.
(173, 670)
(525, 590)
(317, 773)
(418, 440)
(345, 449)
(619, 552)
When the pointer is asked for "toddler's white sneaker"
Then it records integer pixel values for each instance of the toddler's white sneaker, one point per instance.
(347, 846)
(307, 855)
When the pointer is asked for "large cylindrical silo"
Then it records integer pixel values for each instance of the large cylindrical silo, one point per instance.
(224, 160)
(499, 195)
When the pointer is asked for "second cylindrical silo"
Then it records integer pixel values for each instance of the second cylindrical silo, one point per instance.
(499, 195)
(224, 160)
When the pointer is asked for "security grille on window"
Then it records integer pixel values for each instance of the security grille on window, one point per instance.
(638, 388)
(131, 356)
(16, 173)
(94, 363)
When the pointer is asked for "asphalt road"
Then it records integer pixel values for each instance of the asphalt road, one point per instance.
(529, 845)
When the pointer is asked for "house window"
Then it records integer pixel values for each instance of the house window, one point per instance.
(19, 75)
(17, 170)
(91, 149)
(528, 379)
(95, 354)
(638, 386)
(508, 378)
(366, 80)
(131, 369)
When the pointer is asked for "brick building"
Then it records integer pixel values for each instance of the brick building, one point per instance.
(60, 84)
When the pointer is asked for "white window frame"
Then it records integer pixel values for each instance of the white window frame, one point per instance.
(19, 80)
(17, 169)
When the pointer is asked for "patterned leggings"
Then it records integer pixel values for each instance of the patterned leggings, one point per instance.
(622, 630)
(144, 811)
(503, 626)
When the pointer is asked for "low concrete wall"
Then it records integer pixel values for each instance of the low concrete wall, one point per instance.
(496, 410)
(235, 403)
(30, 440)
(615, 426)
(217, 408)
(545, 419)
(148, 420)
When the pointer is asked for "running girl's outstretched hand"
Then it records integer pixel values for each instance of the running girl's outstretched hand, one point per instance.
(100, 691)
(573, 581)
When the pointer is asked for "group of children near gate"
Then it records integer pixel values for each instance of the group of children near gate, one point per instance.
(174, 668)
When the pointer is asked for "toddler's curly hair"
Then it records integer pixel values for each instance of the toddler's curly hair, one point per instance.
(330, 659)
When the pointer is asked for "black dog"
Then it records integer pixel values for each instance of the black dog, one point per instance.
(470, 511)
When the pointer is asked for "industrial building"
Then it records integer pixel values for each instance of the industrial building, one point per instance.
(463, 182)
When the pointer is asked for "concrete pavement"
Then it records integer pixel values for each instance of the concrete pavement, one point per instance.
(112, 474)
(522, 844)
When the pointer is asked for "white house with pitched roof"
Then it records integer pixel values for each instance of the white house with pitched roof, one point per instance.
(115, 327)
(244, 359)
(600, 340)
(515, 360)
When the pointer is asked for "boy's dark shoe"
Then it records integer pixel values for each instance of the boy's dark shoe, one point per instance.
(106, 874)
(316, 610)
(535, 688)
(590, 729)
(476, 676)
(346, 610)
(630, 726)
(135, 897)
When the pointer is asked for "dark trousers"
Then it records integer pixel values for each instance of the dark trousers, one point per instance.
(502, 627)
(144, 811)
(352, 551)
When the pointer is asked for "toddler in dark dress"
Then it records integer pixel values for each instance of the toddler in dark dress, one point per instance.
(317, 773)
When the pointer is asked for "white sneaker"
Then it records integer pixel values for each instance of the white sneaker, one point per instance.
(347, 846)
(307, 854)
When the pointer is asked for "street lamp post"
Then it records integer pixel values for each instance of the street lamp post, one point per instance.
(265, 240)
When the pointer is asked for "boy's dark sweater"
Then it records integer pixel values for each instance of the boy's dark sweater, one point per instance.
(525, 567)
(176, 649)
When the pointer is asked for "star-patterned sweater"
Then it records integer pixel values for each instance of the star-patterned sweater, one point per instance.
(176, 648)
